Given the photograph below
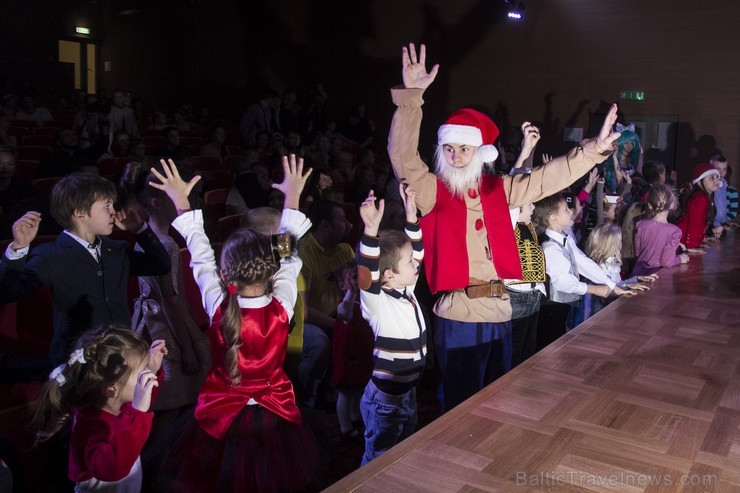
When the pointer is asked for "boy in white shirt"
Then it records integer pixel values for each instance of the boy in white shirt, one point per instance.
(388, 268)
(566, 262)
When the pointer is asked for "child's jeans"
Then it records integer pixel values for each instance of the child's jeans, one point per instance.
(388, 419)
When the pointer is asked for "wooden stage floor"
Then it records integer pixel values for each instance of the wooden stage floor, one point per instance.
(644, 396)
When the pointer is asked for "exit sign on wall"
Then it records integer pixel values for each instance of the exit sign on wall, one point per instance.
(632, 95)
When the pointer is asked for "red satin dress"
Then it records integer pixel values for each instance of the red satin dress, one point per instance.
(261, 357)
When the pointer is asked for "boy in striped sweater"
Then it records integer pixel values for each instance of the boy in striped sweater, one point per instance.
(388, 268)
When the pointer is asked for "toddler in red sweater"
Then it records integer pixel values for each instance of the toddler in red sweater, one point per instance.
(107, 387)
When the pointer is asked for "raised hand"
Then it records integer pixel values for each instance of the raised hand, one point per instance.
(157, 352)
(531, 136)
(293, 180)
(546, 158)
(607, 136)
(408, 196)
(25, 229)
(414, 70)
(370, 215)
(592, 177)
(173, 185)
(145, 383)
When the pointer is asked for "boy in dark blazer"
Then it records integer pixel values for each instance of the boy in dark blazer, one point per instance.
(86, 272)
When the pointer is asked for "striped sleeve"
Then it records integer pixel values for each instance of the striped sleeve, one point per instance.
(413, 231)
(368, 264)
(732, 203)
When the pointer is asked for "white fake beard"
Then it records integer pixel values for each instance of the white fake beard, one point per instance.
(458, 180)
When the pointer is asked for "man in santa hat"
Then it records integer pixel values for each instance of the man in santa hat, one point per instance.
(469, 241)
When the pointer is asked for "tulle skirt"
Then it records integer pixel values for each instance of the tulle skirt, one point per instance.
(261, 452)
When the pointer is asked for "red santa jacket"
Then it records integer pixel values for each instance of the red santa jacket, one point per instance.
(444, 236)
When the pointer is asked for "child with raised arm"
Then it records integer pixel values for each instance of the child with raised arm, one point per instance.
(86, 272)
(387, 273)
(248, 431)
(107, 386)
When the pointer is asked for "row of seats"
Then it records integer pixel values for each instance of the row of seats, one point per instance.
(29, 159)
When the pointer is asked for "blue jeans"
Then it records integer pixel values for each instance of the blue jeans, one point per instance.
(471, 355)
(388, 419)
(525, 308)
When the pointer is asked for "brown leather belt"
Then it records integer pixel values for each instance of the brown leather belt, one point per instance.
(491, 289)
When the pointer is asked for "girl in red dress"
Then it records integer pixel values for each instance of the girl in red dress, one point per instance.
(107, 386)
(248, 433)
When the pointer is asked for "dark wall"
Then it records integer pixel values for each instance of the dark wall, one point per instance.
(681, 53)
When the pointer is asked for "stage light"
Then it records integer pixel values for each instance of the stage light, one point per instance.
(516, 11)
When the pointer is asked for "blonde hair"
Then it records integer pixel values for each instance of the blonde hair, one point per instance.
(605, 241)
(108, 356)
(660, 199)
(246, 259)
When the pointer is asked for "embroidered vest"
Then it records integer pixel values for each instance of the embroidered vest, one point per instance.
(444, 236)
(530, 254)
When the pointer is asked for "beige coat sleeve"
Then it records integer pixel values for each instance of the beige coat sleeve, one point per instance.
(554, 176)
(403, 147)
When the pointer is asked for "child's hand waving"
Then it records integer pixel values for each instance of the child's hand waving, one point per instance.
(372, 216)
(173, 185)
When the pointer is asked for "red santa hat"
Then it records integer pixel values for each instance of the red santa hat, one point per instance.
(470, 127)
(701, 171)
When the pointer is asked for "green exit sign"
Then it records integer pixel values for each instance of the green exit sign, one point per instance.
(632, 95)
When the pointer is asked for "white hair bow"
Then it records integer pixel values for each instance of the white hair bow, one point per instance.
(57, 374)
(621, 128)
(77, 356)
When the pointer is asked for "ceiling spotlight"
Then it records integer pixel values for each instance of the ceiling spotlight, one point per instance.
(516, 11)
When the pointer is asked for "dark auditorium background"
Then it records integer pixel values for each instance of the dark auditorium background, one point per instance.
(681, 53)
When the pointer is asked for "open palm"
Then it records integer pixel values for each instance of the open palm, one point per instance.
(415, 73)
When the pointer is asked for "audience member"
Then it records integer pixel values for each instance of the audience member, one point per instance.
(321, 251)
(69, 156)
(216, 147)
(85, 270)
(121, 116)
(13, 190)
(29, 111)
(258, 117)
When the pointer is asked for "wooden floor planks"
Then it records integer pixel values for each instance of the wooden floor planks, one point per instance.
(643, 397)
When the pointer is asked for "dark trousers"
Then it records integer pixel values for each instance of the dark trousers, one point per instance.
(471, 355)
(525, 312)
